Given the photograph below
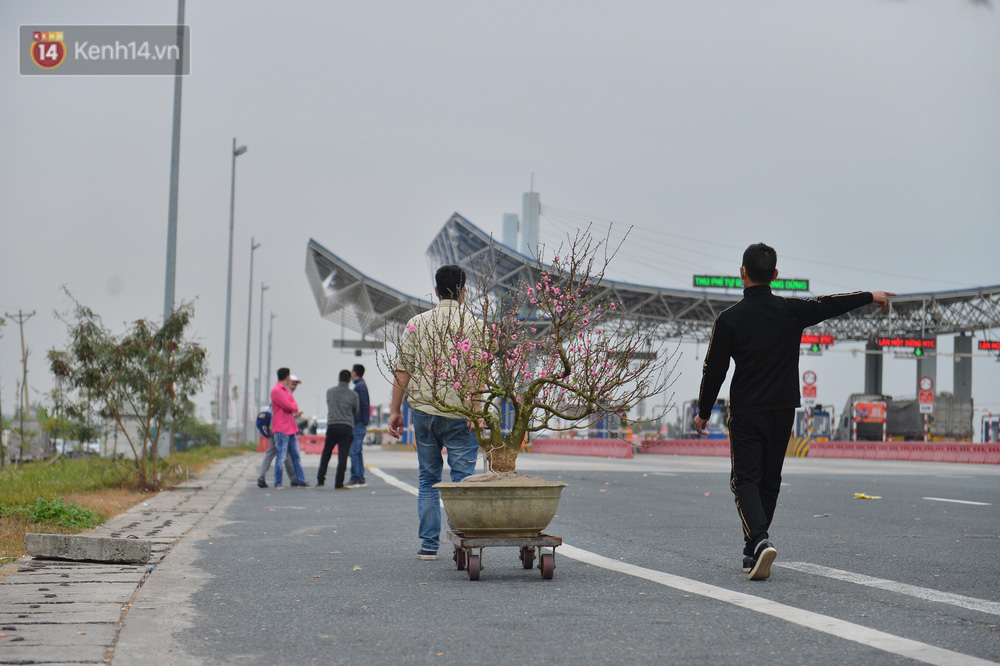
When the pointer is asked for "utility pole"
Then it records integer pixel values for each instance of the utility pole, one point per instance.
(21, 318)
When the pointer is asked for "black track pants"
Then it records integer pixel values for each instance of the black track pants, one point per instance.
(757, 451)
(340, 436)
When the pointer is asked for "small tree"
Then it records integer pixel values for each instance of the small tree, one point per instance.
(552, 352)
(71, 421)
(145, 373)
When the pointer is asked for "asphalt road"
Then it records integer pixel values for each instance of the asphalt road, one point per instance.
(650, 573)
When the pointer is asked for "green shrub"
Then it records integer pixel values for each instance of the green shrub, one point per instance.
(55, 511)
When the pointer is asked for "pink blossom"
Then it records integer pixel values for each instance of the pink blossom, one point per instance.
(466, 345)
(457, 385)
(411, 328)
(454, 361)
(557, 257)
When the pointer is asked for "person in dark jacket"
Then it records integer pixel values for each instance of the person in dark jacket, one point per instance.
(762, 334)
(341, 406)
(360, 427)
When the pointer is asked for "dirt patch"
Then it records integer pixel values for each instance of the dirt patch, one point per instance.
(501, 477)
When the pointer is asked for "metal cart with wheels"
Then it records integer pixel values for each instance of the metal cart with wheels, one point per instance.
(468, 559)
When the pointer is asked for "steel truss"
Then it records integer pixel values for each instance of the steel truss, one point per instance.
(366, 306)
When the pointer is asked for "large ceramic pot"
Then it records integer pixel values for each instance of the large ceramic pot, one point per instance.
(500, 509)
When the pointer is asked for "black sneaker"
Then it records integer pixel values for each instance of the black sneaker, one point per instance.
(304, 484)
(295, 484)
(320, 484)
(747, 563)
(261, 483)
(427, 555)
(762, 560)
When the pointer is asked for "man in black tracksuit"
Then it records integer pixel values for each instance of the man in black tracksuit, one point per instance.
(762, 333)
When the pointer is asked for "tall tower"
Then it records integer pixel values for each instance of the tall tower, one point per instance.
(530, 208)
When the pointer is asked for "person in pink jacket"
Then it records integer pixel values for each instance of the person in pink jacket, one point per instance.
(284, 409)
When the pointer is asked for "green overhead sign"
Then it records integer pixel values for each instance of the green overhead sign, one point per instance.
(729, 282)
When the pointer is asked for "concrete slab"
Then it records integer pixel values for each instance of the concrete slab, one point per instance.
(81, 611)
(86, 548)
(49, 593)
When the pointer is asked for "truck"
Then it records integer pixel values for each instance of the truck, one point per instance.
(950, 420)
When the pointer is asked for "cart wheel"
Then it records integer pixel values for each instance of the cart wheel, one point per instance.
(460, 559)
(474, 566)
(547, 564)
(527, 557)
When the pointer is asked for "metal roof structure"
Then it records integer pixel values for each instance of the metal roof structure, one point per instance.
(690, 314)
(366, 306)
(361, 304)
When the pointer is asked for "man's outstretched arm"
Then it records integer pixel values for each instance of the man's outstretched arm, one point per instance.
(881, 299)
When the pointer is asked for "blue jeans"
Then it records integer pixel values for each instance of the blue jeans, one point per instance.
(432, 433)
(287, 445)
(358, 460)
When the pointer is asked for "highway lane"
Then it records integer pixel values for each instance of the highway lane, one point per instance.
(318, 576)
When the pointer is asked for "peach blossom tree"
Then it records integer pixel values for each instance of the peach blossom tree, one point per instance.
(553, 351)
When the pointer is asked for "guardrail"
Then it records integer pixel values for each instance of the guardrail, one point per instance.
(604, 448)
(956, 452)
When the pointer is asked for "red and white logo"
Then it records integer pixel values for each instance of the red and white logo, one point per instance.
(48, 49)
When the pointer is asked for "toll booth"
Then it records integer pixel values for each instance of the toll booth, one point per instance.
(816, 422)
(991, 428)
(718, 422)
(606, 427)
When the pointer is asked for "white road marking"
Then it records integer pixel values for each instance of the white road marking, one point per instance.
(880, 640)
(981, 605)
(942, 499)
(829, 625)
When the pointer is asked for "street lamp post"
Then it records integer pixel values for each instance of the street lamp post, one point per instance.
(260, 350)
(246, 364)
(224, 425)
(270, 329)
(175, 166)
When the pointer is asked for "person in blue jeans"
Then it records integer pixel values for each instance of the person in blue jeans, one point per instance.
(434, 426)
(284, 410)
(361, 419)
(433, 433)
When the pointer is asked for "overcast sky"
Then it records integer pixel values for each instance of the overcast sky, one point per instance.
(860, 138)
